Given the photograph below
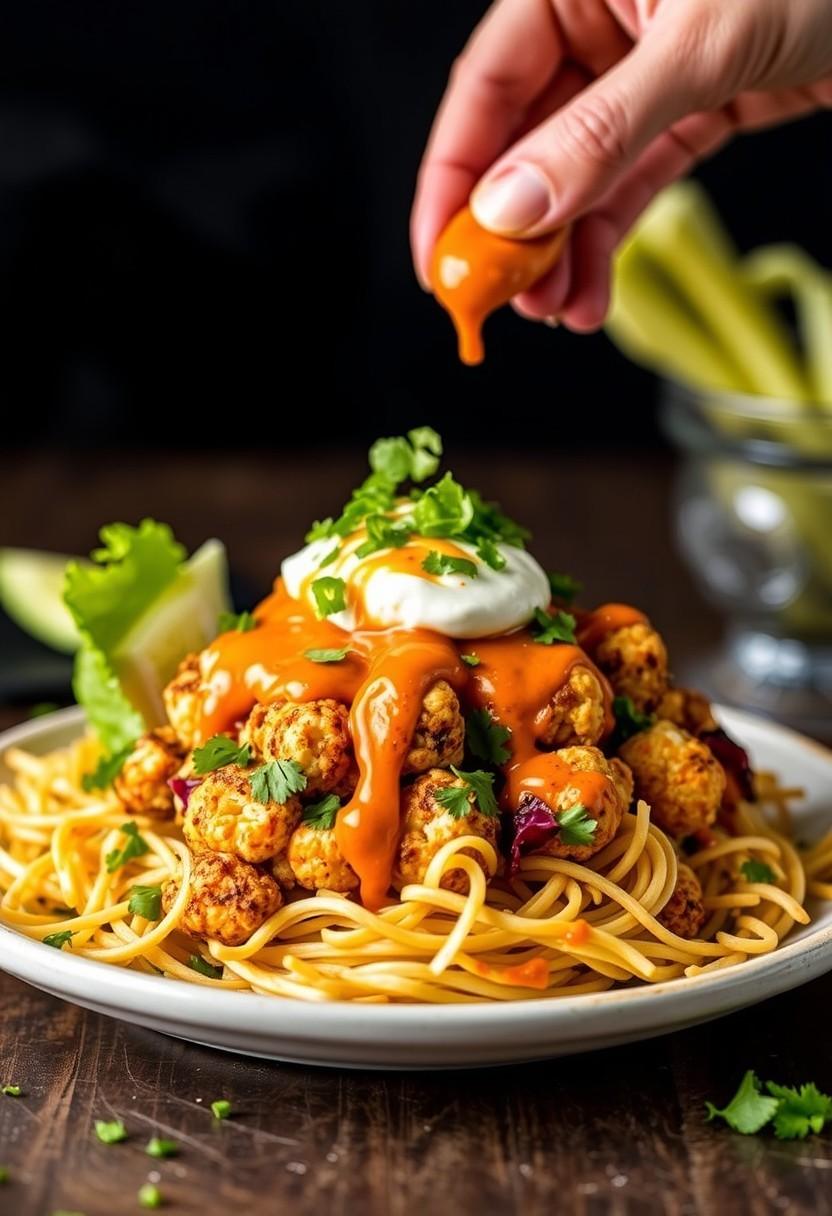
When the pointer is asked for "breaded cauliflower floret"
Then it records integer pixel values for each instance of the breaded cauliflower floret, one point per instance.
(575, 713)
(183, 700)
(684, 912)
(439, 738)
(634, 660)
(689, 709)
(227, 900)
(427, 825)
(224, 816)
(142, 785)
(317, 862)
(677, 775)
(313, 733)
(608, 813)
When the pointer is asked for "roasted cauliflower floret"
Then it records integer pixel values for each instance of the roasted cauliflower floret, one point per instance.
(677, 775)
(427, 825)
(575, 713)
(317, 862)
(684, 912)
(228, 899)
(439, 738)
(142, 785)
(223, 815)
(183, 700)
(616, 795)
(313, 733)
(689, 709)
(634, 660)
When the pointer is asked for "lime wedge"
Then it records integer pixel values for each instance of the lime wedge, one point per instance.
(31, 592)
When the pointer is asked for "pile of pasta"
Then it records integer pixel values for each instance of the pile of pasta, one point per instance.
(557, 929)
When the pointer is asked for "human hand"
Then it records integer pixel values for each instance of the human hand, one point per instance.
(582, 110)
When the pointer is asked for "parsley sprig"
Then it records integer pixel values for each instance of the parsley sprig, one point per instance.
(146, 902)
(555, 627)
(575, 825)
(564, 587)
(106, 771)
(629, 721)
(322, 814)
(240, 622)
(277, 780)
(134, 846)
(446, 563)
(753, 870)
(793, 1112)
(477, 790)
(219, 751)
(486, 738)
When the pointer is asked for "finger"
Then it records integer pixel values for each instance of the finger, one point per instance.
(509, 60)
(588, 300)
(545, 300)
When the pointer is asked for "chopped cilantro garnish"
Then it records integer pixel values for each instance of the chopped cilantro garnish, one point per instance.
(444, 563)
(800, 1111)
(629, 721)
(557, 627)
(135, 846)
(57, 940)
(12, 1091)
(471, 660)
(488, 552)
(486, 738)
(157, 1147)
(219, 751)
(146, 902)
(149, 1196)
(329, 557)
(277, 780)
(320, 529)
(322, 814)
(330, 595)
(564, 587)
(110, 1132)
(748, 1110)
(384, 533)
(575, 825)
(444, 509)
(221, 1109)
(756, 871)
(106, 771)
(326, 655)
(241, 622)
(197, 963)
(478, 790)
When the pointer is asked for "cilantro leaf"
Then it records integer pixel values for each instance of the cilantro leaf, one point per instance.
(12, 1091)
(557, 627)
(490, 522)
(110, 1132)
(330, 595)
(629, 721)
(135, 846)
(219, 751)
(445, 509)
(242, 622)
(575, 825)
(326, 655)
(753, 870)
(486, 738)
(330, 557)
(564, 587)
(57, 940)
(444, 563)
(322, 814)
(221, 1109)
(477, 791)
(146, 902)
(748, 1110)
(197, 963)
(320, 529)
(471, 660)
(384, 533)
(799, 1111)
(106, 771)
(411, 458)
(277, 780)
(158, 1147)
(488, 552)
(149, 1195)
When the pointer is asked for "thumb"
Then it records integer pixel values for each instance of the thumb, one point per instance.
(562, 167)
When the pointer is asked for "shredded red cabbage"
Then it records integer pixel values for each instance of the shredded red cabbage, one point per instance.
(183, 787)
(733, 758)
(532, 825)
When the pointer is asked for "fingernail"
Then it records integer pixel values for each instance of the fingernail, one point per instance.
(552, 322)
(514, 199)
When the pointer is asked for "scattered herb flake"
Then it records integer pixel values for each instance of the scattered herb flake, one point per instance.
(326, 655)
(471, 660)
(478, 790)
(330, 595)
(146, 902)
(197, 963)
(629, 721)
(241, 622)
(12, 1091)
(135, 846)
(157, 1147)
(221, 1109)
(277, 780)
(756, 871)
(110, 1132)
(486, 738)
(219, 751)
(564, 587)
(106, 771)
(555, 627)
(445, 563)
(57, 940)
(575, 825)
(149, 1196)
(322, 814)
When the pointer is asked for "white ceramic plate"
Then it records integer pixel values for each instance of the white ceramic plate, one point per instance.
(445, 1036)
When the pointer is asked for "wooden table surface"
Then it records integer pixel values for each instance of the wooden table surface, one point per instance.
(620, 1131)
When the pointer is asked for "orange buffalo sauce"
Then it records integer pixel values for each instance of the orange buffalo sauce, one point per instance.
(594, 626)
(473, 272)
(383, 678)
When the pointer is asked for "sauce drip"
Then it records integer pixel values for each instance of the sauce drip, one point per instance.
(594, 626)
(473, 272)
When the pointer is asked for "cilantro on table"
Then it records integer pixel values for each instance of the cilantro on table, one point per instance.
(57, 940)
(219, 751)
(149, 1196)
(575, 825)
(134, 846)
(106, 770)
(555, 627)
(158, 1147)
(478, 790)
(564, 587)
(112, 1132)
(197, 963)
(629, 721)
(239, 622)
(753, 870)
(146, 902)
(445, 563)
(12, 1091)
(486, 738)
(330, 595)
(326, 654)
(792, 1112)
(277, 780)
(471, 660)
(323, 813)
(221, 1109)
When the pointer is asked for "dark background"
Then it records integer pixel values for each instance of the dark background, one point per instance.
(203, 215)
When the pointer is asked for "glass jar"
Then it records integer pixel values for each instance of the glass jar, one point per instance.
(753, 517)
